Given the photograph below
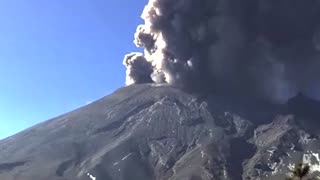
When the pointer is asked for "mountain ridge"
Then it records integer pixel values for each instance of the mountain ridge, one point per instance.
(156, 132)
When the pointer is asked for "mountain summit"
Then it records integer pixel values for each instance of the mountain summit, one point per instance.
(157, 132)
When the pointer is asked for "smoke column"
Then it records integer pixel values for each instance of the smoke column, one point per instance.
(264, 48)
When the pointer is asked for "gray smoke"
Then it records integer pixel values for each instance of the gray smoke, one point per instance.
(264, 48)
(139, 70)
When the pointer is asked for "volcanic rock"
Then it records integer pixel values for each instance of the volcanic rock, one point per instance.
(159, 132)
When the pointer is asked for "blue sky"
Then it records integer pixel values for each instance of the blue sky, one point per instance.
(58, 55)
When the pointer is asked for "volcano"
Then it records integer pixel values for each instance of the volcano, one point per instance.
(208, 98)
(157, 132)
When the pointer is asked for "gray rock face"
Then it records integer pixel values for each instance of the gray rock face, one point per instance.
(148, 132)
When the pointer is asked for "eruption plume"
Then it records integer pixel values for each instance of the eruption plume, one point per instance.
(264, 48)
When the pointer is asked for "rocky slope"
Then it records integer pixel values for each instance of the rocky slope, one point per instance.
(157, 132)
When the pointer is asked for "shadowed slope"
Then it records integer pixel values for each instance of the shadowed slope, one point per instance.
(146, 132)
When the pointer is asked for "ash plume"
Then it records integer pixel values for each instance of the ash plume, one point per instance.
(263, 48)
(138, 69)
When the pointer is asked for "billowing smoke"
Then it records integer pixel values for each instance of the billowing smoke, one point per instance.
(265, 48)
(138, 69)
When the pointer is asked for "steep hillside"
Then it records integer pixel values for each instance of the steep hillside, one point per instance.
(146, 132)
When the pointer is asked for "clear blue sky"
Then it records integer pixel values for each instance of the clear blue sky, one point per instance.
(56, 55)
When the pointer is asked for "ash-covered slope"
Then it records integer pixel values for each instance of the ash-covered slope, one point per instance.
(155, 132)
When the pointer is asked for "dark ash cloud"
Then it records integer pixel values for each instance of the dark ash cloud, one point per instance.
(138, 69)
(264, 48)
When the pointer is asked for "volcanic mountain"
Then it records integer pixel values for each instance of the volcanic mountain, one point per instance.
(158, 132)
